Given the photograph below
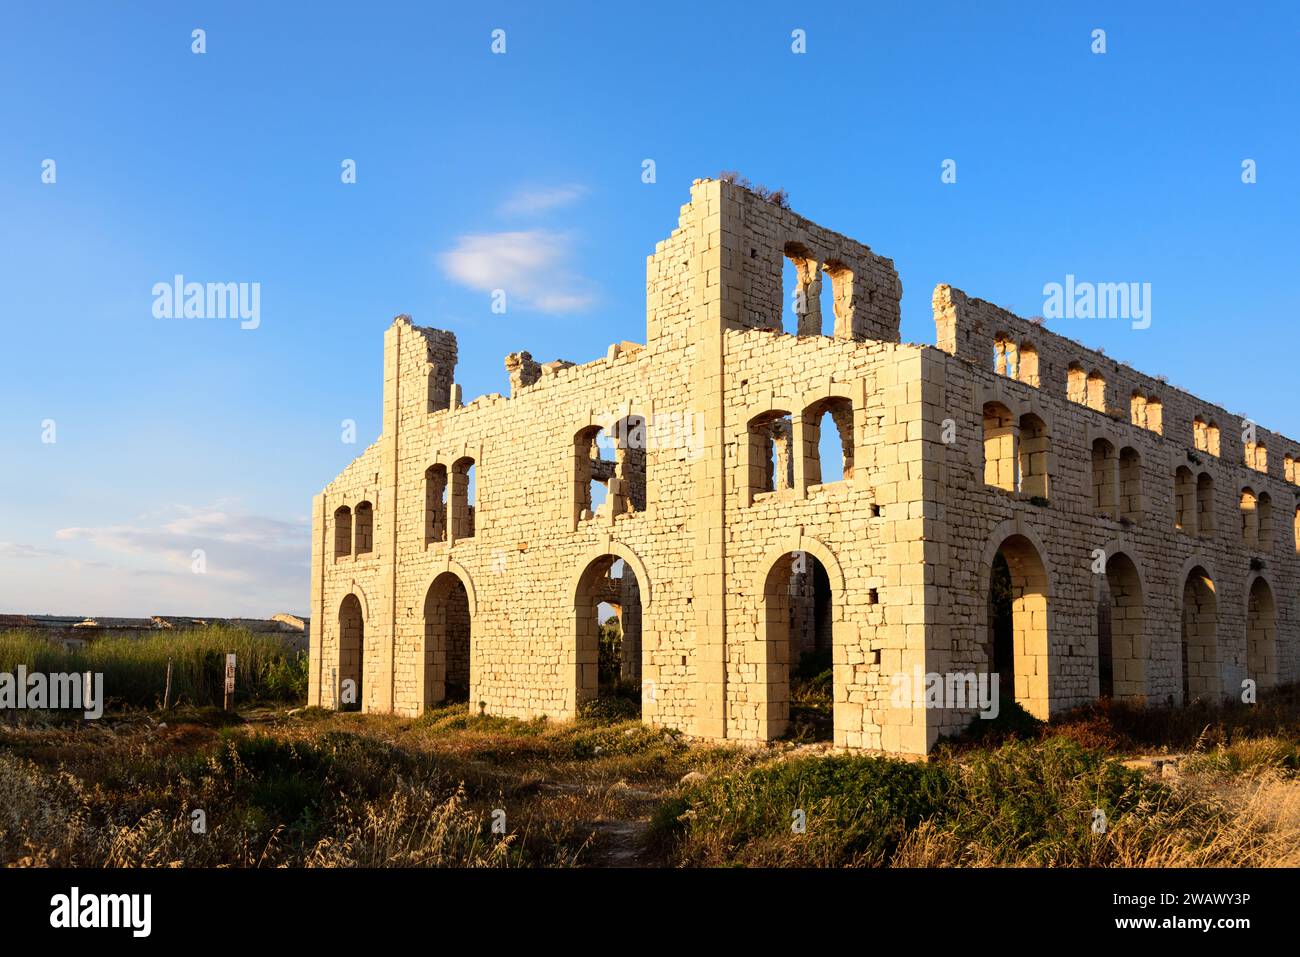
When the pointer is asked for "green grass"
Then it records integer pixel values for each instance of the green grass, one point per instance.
(1023, 804)
(135, 668)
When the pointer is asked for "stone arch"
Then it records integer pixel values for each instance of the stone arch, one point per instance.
(448, 619)
(1006, 355)
(588, 591)
(1205, 516)
(1123, 652)
(805, 299)
(1096, 391)
(1132, 498)
(350, 654)
(1028, 371)
(1034, 457)
(618, 550)
(769, 451)
(838, 405)
(461, 572)
(1030, 624)
(1261, 632)
(799, 543)
(363, 529)
(1248, 505)
(342, 532)
(800, 587)
(1199, 642)
(1014, 404)
(1000, 428)
(1105, 478)
(1185, 500)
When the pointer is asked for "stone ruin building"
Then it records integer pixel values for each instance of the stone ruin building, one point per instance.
(1146, 539)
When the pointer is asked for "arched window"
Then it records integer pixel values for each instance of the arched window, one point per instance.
(364, 535)
(1096, 391)
(1077, 384)
(1185, 500)
(1155, 415)
(1028, 364)
(463, 495)
(628, 490)
(1130, 484)
(342, 531)
(828, 441)
(1265, 509)
(771, 452)
(1006, 357)
(999, 447)
(1205, 505)
(837, 300)
(1105, 494)
(1035, 447)
(1212, 439)
(1257, 456)
(802, 279)
(435, 503)
(1249, 518)
(1137, 409)
(1288, 468)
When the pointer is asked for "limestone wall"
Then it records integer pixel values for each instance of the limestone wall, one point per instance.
(733, 503)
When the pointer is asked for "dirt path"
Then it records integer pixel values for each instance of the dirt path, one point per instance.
(620, 841)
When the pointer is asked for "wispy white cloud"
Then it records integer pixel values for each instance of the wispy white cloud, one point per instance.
(20, 551)
(531, 201)
(532, 266)
(253, 565)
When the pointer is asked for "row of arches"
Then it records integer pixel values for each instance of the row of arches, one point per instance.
(607, 648)
(802, 597)
(1017, 459)
(1017, 641)
(1087, 387)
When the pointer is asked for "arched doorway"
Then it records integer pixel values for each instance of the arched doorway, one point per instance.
(1017, 646)
(1120, 645)
(352, 643)
(1261, 635)
(607, 620)
(446, 641)
(798, 613)
(1200, 641)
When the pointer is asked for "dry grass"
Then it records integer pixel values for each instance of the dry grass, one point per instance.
(320, 789)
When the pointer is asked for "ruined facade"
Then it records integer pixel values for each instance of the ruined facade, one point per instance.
(1147, 538)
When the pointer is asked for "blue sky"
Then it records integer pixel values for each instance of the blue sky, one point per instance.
(177, 434)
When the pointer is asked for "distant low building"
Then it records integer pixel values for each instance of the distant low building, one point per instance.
(293, 630)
